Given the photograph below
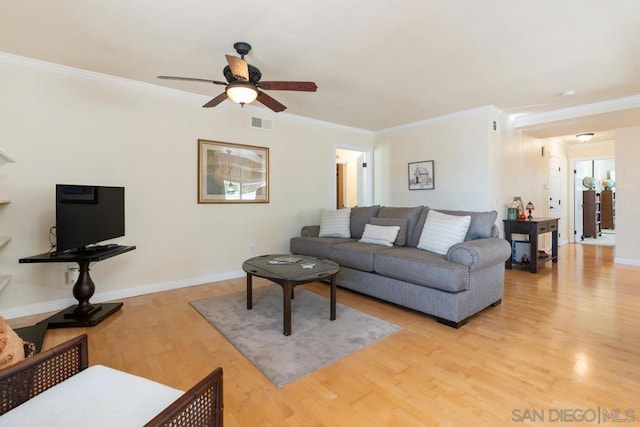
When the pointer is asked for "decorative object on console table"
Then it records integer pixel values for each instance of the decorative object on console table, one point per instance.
(530, 208)
(421, 176)
(533, 228)
(517, 201)
(232, 173)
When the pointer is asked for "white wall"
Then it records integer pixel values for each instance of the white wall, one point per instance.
(458, 145)
(627, 196)
(66, 126)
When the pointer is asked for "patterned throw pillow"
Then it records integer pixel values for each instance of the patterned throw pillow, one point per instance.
(403, 223)
(335, 223)
(442, 231)
(11, 346)
(380, 235)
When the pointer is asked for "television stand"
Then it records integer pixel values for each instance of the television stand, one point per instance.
(84, 314)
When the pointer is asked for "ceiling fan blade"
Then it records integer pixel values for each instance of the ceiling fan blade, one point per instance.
(268, 101)
(299, 86)
(215, 101)
(239, 68)
(192, 79)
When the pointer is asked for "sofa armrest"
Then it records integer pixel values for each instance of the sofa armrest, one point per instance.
(480, 253)
(310, 231)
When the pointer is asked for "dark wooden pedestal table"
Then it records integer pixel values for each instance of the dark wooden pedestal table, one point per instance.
(83, 314)
(288, 276)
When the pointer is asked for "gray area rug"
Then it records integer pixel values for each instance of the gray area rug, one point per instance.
(315, 341)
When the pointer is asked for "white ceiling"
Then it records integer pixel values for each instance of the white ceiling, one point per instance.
(377, 63)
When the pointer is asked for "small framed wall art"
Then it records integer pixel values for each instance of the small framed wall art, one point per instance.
(232, 173)
(421, 175)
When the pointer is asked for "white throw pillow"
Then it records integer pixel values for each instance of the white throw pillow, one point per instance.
(442, 231)
(335, 223)
(380, 235)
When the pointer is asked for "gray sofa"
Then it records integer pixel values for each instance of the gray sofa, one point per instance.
(451, 287)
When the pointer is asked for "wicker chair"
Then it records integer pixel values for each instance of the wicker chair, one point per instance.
(199, 406)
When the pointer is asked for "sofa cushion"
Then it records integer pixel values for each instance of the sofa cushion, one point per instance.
(355, 255)
(422, 268)
(360, 217)
(380, 235)
(315, 246)
(401, 240)
(482, 224)
(335, 223)
(411, 214)
(442, 231)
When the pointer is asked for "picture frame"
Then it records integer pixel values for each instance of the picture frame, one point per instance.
(232, 173)
(421, 175)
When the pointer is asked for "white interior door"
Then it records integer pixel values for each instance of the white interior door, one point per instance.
(555, 187)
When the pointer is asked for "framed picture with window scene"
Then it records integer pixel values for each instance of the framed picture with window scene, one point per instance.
(421, 175)
(232, 173)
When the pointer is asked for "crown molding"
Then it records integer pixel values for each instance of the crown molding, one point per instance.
(50, 67)
(488, 109)
(618, 104)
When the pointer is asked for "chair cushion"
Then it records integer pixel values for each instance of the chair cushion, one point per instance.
(380, 235)
(335, 223)
(97, 396)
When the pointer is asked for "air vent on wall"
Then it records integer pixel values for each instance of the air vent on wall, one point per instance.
(257, 122)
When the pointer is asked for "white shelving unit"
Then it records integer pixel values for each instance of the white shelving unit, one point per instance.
(4, 240)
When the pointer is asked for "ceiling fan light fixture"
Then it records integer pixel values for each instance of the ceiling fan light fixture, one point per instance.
(584, 137)
(241, 92)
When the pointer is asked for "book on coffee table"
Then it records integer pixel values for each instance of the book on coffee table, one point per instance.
(284, 260)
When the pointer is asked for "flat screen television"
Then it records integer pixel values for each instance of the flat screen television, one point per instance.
(87, 215)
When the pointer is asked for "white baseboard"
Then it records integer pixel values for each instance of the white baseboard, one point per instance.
(627, 261)
(60, 304)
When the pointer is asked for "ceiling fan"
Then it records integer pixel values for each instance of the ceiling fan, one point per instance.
(243, 82)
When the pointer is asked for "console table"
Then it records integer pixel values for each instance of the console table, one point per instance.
(83, 314)
(533, 228)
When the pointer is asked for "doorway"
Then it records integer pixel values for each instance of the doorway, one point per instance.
(354, 178)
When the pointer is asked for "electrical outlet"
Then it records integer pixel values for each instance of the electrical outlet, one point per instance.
(73, 271)
(252, 248)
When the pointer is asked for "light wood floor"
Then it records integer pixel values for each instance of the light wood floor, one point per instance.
(565, 339)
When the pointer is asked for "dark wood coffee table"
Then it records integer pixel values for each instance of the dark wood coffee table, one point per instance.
(289, 276)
